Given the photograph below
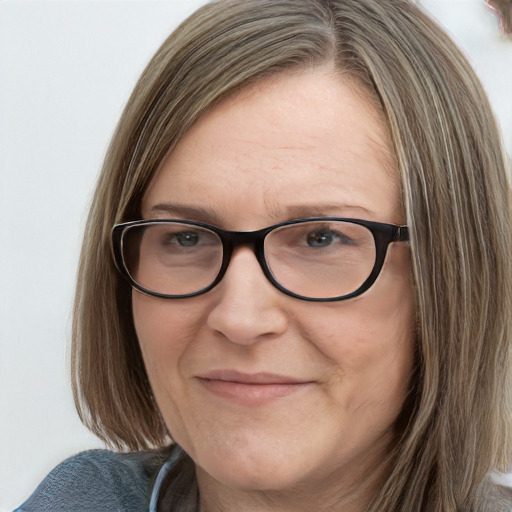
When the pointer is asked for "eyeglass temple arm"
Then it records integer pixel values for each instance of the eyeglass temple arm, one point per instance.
(402, 234)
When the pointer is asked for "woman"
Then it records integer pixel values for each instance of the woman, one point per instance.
(295, 284)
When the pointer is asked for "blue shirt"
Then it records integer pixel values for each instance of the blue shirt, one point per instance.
(101, 480)
(148, 481)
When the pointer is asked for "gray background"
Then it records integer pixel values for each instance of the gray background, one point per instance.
(66, 70)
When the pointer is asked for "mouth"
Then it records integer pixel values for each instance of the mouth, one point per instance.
(251, 389)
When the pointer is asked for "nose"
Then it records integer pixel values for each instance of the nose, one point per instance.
(249, 308)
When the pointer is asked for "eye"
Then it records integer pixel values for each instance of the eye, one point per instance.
(185, 238)
(325, 238)
(319, 238)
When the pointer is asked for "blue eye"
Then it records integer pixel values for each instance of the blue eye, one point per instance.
(326, 238)
(185, 239)
(320, 238)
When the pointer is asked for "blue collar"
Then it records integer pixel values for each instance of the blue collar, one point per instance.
(158, 487)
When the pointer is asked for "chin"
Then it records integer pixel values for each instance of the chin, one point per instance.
(254, 472)
(262, 481)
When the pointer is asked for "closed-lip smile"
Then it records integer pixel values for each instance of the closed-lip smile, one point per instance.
(251, 389)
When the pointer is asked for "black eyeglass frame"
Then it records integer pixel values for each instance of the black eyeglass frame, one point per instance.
(383, 234)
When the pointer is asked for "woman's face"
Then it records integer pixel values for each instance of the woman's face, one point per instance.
(264, 391)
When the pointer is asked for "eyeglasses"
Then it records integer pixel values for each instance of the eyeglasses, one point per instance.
(315, 259)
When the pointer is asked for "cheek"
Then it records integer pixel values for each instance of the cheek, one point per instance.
(163, 324)
(165, 330)
(369, 342)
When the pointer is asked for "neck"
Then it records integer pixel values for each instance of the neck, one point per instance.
(335, 492)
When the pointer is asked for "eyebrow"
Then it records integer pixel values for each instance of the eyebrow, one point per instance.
(278, 213)
(185, 212)
(324, 210)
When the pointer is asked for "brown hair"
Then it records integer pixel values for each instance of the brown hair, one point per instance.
(456, 196)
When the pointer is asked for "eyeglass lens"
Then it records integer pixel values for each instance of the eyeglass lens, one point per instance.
(318, 259)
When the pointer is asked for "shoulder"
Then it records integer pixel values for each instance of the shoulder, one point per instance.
(503, 498)
(497, 493)
(97, 480)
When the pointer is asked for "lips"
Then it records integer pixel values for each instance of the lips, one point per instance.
(251, 389)
(250, 378)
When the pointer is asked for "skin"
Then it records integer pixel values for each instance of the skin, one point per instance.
(296, 145)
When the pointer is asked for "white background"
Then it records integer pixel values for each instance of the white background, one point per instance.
(66, 70)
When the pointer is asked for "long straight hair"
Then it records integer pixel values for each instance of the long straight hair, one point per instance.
(455, 427)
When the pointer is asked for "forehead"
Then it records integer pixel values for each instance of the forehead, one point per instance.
(307, 139)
